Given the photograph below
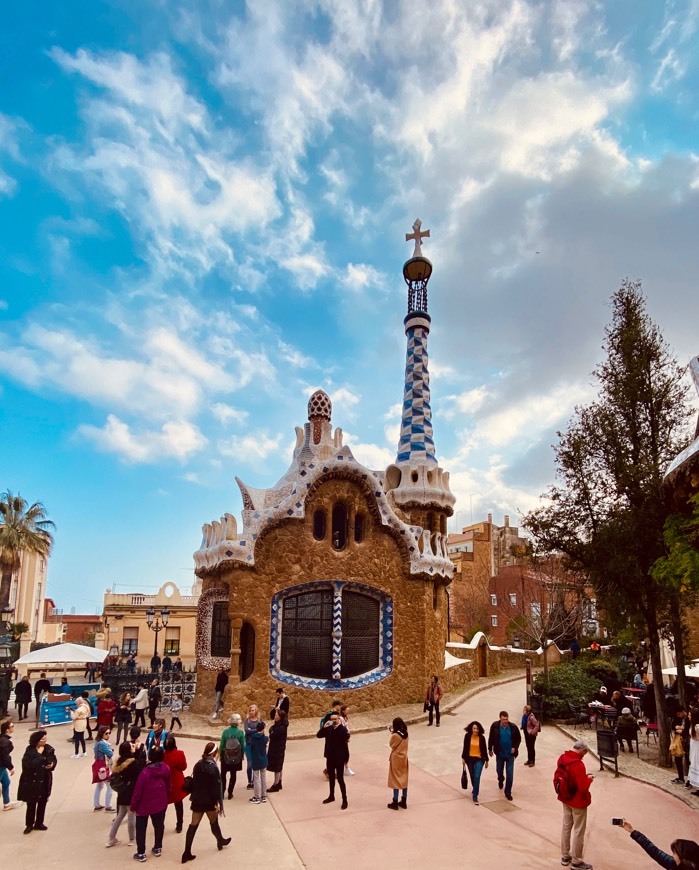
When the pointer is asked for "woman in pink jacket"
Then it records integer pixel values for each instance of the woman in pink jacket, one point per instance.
(150, 799)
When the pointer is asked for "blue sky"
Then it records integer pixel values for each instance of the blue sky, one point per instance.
(202, 213)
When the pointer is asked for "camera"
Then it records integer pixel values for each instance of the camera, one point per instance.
(617, 821)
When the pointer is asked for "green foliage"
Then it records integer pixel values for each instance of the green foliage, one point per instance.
(567, 683)
(17, 629)
(600, 669)
(678, 569)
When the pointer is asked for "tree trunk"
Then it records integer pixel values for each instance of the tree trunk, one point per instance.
(660, 705)
(5, 587)
(678, 632)
(546, 662)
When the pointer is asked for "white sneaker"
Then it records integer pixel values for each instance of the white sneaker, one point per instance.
(82, 755)
(111, 843)
(11, 806)
(349, 772)
(75, 756)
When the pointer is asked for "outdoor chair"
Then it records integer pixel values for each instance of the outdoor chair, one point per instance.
(578, 715)
(651, 728)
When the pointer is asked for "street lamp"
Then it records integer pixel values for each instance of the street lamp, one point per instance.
(154, 623)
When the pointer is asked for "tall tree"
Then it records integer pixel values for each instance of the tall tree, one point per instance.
(608, 511)
(23, 528)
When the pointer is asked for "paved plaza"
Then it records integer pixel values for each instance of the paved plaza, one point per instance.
(441, 827)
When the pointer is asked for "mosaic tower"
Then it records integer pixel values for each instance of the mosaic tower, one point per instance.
(417, 485)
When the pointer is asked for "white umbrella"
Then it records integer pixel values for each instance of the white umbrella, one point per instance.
(63, 654)
(689, 671)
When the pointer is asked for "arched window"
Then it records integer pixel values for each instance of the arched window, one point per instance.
(307, 626)
(339, 519)
(246, 663)
(220, 630)
(319, 523)
(359, 528)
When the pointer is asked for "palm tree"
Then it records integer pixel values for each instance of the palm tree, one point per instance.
(23, 527)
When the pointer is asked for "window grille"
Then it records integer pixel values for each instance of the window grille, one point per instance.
(220, 630)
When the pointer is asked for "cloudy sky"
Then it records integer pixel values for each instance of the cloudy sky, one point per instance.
(203, 208)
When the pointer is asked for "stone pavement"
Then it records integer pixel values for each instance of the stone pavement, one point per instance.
(440, 827)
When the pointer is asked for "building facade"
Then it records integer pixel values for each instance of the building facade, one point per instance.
(335, 584)
(126, 630)
(26, 600)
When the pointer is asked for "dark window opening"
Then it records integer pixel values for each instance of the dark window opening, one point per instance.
(414, 476)
(246, 663)
(172, 647)
(360, 634)
(430, 522)
(129, 646)
(307, 624)
(220, 630)
(359, 528)
(339, 526)
(319, 523)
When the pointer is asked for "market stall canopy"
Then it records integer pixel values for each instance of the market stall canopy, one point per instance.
(62, 654)
(689, 671)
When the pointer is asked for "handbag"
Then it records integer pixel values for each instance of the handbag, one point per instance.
(425, 707)
(100, 770)
(464, 777)
(676, 746)
(188, 784)
(117, 782)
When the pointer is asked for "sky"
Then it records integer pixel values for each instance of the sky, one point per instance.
(203, 209)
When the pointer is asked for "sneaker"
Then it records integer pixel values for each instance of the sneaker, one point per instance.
(253, 800)
(157, 852)
(582, 866)
(249, 785)
(11, 806)
(263, 800)
(565, 860)
(109, 810)
(349, 771)
(111, 843)
(475, 801)
(41, 827)
(77, 755)
(677, 781)
(132, 842)
(97, 809)
(140, 856)
(509, 797)
(501, 783)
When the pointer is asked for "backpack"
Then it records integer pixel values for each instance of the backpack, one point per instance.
(563, 782)
(232, 753)
(118, 782)
(533, 724)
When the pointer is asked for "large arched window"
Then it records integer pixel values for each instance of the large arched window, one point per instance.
(331, 635)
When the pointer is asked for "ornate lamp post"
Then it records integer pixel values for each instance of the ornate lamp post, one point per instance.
(6, 660)
(156, 623)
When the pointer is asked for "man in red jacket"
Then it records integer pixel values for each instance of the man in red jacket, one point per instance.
(575, 807)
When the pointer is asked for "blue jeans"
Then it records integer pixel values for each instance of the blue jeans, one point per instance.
(475, 769)
(508, 764)
(5, 782)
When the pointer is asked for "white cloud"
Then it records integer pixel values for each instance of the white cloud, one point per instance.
(372, 456)
(468, 402)
(251, 448)
(176, 439)
(360, 277)
(227, 413)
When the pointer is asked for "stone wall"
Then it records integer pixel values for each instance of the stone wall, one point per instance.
(288, 555)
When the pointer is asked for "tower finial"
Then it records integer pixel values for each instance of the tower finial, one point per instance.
(418, 236)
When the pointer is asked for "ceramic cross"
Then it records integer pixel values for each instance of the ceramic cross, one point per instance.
(418, 235)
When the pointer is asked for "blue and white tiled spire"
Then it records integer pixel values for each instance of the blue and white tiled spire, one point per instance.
(415, 478)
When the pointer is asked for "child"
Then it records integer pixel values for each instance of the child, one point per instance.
(175, 710)
(258, 754)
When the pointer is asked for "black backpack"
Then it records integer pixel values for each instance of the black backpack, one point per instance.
(232, 752)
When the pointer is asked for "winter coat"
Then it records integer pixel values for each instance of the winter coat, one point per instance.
(141, 699)
(250, 727)
(467, 748)
(152, 791)
(177, 762)
(227, 734)
(577, 773)
(656, 854)
(155, 696)
(258, 750)
(23, 692)
(36, 779)
(434, 690)
(79, 717)
(494, 738)
(130, 770)
(123, 714)
(626, 726)
(221, 683)
(41, 686)
(105, 712)
(336, 740)
(206, 786)
(155, 738)
(398, 762)
(277, 746)
(6, 748)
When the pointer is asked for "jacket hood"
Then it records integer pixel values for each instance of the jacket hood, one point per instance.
(121, 766)
(569, 756)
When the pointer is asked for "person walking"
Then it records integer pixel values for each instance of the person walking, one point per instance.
(106, 710)
(84, 699)
(206, 798)
(23, 697)
(504, 739)
(128, 768)
(175, 710)
(79, 716)
(258, 758)
(40, 686)
(155, 696)
(219, 689)
(231, 751)
(177, 762)
(7, 769)
(122, 717)
(433, 695)
(530, 728)
(36, 780)
(475, 756)
(277, 747)
(141, 705)
(149, 801)
(250, 727)
(103, 753)
(336, 737)
(682, 850)
(398, 765)
(572, 783)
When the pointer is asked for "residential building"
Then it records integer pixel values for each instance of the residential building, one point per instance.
(26, 602)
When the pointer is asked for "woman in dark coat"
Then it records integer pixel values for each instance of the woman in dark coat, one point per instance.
(35, 783)
(277, 747)
(129, 769)
(207, 799)
(23, 697)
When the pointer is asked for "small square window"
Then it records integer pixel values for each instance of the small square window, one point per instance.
(494, 600)
(513, 599)
(494, 621)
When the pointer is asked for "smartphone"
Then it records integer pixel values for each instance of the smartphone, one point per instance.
(617, 821)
